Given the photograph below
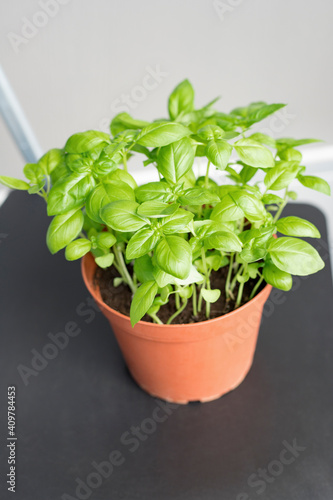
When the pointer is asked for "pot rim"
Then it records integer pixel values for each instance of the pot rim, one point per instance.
(92, 289)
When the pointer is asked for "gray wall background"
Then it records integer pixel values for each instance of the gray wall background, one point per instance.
(72, 61)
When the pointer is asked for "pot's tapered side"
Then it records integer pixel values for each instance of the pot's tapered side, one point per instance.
(192, 362)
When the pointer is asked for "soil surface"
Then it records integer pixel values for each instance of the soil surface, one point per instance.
(119, 298)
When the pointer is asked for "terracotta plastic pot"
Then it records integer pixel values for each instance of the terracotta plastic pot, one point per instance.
(182, 363)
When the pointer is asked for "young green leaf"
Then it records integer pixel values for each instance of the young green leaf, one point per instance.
(141, 243)
(227, 210)
(225, 241)
(295, 256)
(249, 204)
(218, 152)
(123, 121)
(210, 133)
(281, 175)
(315, 183)
(70, 193)
(143, 269)
(198, 196)
(121, 216)
(142, 300)
(51, 160)
(211, 296)
(277, 278)
(175, 160)
(254, 154)
(105, 240)
(14, 183)
(105, 193)
(105, 260)
(160, 134)
(181, 99)
(177, 223)
(34, 173)
(158, 191)
(174, 256)
(86, 141)
(64, 229)
(156, 209)
(295, 226)
(77, 249)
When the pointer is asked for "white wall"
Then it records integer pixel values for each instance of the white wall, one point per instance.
(69, 73)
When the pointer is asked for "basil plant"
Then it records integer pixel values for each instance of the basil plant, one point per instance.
(168, 236)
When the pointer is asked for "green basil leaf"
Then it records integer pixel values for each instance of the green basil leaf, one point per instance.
(105, 240)
(156, 209)
(34, 173)
(315, 183)
(290, 154)
(175, 160)
(218, 152)
(160, 134)
(295, 256)
(227, 210)
(263, 139)
(105, 260)
(252, 253)
(124, 121)
(69, 193)
(60, 172)
(294, 143)
(270, 199)
(64, 229)
(252, 207)
(224, 241)
(105, 193)
(174, 256)
(281, 175)
(121, 216)
(295, 226)
(158, 191)
(77, 249)
(141, 243)
(143, 269)
(211, 296)
(211, 133)
(51, 160)
(254, 154)
(86, 141)
(181, 99)
(14, 183)
(142, 300)
(277, 278)
(198, 196)
(262, 112)
(121, 175)
(193, 277)
(177, 223)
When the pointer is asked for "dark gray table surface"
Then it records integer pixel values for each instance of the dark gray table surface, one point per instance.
(269, 439)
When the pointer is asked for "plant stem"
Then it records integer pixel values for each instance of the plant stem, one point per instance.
(254, 291)
(279, 212)
(125, 161)
(207, 173)
(180, 310)
(227, 283)
(123, 269)
(194, 299)
(207, 281)
(200, 299)
(241, 289)
(233, 283)
(156, 319)
(177, 299)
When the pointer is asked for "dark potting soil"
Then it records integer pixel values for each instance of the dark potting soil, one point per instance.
(119, 298)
